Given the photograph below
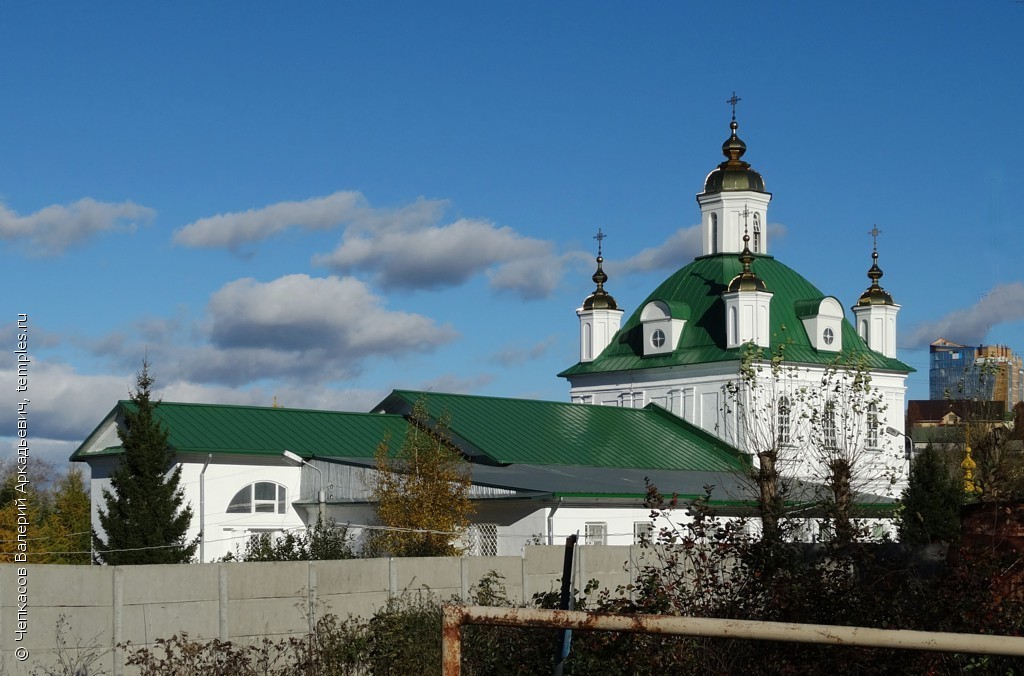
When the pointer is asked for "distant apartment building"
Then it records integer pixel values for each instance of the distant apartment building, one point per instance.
(983, 373)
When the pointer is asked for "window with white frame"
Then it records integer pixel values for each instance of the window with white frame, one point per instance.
(264, 497)
(595, 533)
(643, 531)
(828, 426)
(784, 422)
(757, 233)
(714, 233)
(873, 440)
(483, 539)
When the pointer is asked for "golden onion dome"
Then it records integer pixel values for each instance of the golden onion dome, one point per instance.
(875, 294)
(734, 173)
(746, 280)
(600, 299)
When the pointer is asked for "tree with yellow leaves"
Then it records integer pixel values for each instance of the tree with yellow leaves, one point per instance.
(421, 491)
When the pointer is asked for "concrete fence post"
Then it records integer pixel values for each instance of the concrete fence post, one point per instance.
(118, 617)
(464, 577)
(523, 568)
(311, 581)
(222, 602)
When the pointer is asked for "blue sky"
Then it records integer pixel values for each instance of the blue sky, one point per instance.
(324, 201)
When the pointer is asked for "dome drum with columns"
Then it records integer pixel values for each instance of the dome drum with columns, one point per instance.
(684, 342)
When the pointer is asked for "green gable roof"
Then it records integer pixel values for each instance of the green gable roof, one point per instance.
(255, 430)
(700, 285)
(523, 431)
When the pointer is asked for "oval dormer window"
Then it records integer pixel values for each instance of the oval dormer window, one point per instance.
(828, 336)
(658, 338)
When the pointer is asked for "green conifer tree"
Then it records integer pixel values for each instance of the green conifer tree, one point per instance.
(144, 520)
(930, 509)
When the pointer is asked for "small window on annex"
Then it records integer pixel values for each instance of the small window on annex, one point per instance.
(596, 533)
(262, 496)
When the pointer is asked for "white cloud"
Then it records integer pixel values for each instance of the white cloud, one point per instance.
(234, 229)
(302, 328)
(63, 403)
(415, 256)
(969, 326)
(512, 355)
(54, 229)
(679, 249)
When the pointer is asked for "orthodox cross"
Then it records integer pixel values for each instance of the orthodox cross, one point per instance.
(744, 214)
(874, 232)
(733, 101)
(599, 236)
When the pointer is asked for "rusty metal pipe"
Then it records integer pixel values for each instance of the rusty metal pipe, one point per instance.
(455, 616)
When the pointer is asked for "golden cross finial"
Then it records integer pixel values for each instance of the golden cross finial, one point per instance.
(599, 237)
(875, 232)
(733, 101)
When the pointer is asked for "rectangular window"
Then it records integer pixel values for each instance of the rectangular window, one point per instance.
(828, 427)
(643, 530)
(873, 441)
(595, 533)
(483, 539)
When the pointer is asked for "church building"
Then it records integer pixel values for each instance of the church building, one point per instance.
(744, 347)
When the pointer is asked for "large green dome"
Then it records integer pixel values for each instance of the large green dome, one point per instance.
(696, 291)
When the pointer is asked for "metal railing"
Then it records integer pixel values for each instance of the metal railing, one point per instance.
(454, 616)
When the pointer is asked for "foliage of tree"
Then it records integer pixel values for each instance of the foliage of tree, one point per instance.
(321, 541)
(66, 531)
(999, 466)
(57, 511)
(421, 491)
(930, 505)
(144, 520)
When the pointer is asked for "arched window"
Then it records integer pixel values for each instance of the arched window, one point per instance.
(262, 496)
(714, 233)
(872, 426)
(784, 428)
(757, 233)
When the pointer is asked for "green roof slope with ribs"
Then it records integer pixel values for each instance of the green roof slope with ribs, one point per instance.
(254, 431)
(699, 286)
(491, 431)
(524, 431)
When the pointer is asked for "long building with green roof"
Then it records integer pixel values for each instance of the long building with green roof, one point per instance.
(540, 469)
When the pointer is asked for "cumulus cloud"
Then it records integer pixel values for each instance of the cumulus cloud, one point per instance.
(234, 229)
(456, 384)
(64, 404)
(513, 355)
(411, 255)
(300, 327)
(1002, 304)
(54, 229)
(679, 249)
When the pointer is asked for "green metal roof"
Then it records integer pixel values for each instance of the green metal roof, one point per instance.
(700, 285)
(253, 430)
(523, 431)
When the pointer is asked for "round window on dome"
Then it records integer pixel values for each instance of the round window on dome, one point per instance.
(658, 338)
(828, 336)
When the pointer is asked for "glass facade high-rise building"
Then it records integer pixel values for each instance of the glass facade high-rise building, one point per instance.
(983, 373)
